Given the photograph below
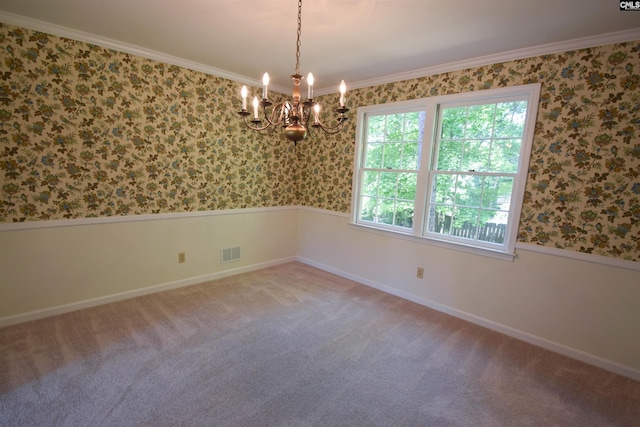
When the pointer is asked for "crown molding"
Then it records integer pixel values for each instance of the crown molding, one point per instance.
(546, 49)
(58, 30)
(512, 55)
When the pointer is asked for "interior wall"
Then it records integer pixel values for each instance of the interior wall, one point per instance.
(586, 310)
(93, 132)
(55, 269)
(583, 185)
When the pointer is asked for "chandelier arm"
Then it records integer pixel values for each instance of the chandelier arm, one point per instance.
(304, 118)
(329, 129)
(272, 121)
(305, 109)
(274, 113)
(256, 128)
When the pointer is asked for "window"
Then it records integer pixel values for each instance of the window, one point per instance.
(447, 169)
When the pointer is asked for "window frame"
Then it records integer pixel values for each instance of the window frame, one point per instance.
(426, 166)
(400, 110)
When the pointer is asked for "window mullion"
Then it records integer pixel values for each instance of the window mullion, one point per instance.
(423, 191)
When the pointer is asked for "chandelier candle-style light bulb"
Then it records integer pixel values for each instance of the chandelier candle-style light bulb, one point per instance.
(310, 86)
(244, 93)
(255, 107)
(265, 85)
(295, 115)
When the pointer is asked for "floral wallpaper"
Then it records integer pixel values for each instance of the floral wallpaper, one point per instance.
(86, 131)
(583, 187)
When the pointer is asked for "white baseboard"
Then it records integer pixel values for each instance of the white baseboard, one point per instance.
(489, 324)
(514, 333)
(66, 308)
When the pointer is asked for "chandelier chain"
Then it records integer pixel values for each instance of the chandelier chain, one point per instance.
(298, 41)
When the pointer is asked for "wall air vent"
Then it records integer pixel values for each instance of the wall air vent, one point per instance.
(229, 254)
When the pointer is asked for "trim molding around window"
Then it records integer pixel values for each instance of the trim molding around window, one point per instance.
(447, 170)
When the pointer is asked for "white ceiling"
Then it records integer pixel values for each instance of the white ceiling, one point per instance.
(361, 41)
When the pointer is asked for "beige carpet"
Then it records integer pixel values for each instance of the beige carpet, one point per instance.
(291, 346)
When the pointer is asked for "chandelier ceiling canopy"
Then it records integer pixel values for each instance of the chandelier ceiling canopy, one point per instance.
(294, 115)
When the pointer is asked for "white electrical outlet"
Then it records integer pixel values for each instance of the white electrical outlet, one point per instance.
(420, 273)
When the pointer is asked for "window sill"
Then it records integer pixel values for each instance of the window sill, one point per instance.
(435, 242)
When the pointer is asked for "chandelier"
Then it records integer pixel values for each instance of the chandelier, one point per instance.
(293, 115)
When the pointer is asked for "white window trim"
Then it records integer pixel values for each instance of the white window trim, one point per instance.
(430, 106)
